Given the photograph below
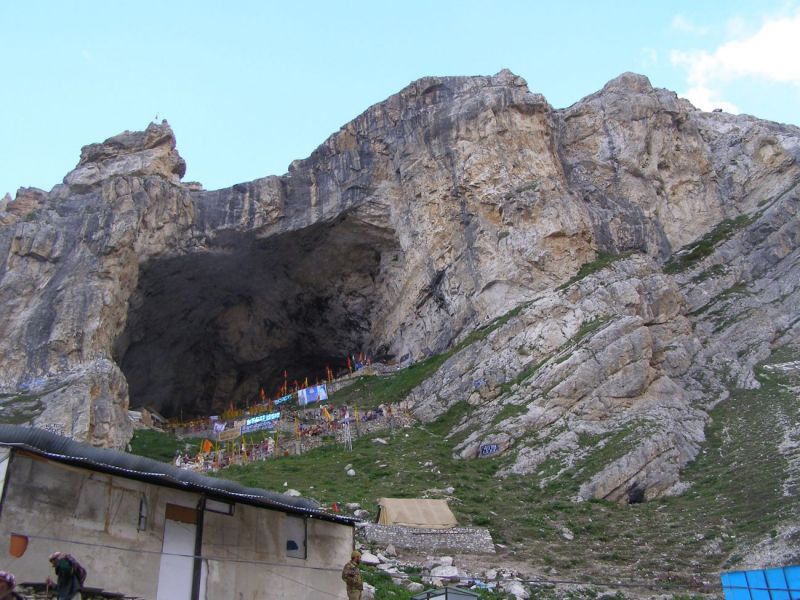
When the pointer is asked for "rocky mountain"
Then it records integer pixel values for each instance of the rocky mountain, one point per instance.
(602, 273)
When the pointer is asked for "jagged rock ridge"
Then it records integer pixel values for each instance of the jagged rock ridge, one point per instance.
(427, 216)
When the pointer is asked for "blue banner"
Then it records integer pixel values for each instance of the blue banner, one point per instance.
(282, 399)
(312, 394)
(261, 418)
(489, 449)
(258, 426)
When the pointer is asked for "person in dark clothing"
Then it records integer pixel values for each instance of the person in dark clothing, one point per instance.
(7, 584)
(352, 576)
(68, 583)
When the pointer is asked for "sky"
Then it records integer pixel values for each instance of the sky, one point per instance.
(250, 86)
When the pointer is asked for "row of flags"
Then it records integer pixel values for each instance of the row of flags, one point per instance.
(306, 393)
(259, 422)
(355, 362)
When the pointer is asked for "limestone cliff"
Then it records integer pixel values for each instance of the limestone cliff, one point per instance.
(425, 218)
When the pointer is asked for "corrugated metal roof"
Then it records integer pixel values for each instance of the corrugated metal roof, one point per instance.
(65, 450)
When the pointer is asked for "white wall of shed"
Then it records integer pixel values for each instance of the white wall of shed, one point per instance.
(258, 539)
(93, 516)
(98, 515)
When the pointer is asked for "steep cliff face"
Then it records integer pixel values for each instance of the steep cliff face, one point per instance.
(426, 217)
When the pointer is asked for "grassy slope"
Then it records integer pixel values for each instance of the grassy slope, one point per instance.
(161, 446)
(735, 497)
(371, 391)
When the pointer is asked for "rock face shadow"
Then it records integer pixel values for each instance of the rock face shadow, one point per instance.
(210, 328)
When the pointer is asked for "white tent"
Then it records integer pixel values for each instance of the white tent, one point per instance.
(416, 512)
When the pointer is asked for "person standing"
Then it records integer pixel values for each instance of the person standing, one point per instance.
(352, 576)
(7, 584)
(69, 579)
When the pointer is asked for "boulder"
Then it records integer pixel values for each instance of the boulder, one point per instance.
(518, 590)
(445, 572)
(369, 559)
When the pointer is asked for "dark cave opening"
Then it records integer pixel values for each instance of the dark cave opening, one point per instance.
(208, 329)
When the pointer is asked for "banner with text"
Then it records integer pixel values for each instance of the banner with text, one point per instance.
(282, 399)
(260, 422)
(229, 434)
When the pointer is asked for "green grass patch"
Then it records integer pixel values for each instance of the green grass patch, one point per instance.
(715, 271)
(482, 332)
(526, 373)
(695, 252)
(560, 355)
(587, 328)
(386, 589)
(509, 410)
(161, 446)
(600, 262)
(372, 390)
(613, 447)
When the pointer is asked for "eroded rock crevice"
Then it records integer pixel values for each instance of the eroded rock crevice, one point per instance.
(209, 328)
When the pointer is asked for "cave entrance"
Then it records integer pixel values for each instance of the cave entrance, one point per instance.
(208, 329)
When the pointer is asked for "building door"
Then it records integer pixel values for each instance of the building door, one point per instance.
(177, 562)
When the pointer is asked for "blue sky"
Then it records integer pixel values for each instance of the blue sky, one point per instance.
(250, 86)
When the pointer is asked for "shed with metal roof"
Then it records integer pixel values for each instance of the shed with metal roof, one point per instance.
(152, 530)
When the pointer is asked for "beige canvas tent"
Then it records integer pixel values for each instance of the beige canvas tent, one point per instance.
(416, 512)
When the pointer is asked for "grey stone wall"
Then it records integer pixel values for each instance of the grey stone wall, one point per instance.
(462, 540)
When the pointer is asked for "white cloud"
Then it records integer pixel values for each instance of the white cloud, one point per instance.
(770, 54)
(736, 27)
(684, 25)
(707, 99)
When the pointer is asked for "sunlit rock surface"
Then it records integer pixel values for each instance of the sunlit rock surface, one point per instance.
(422, 220)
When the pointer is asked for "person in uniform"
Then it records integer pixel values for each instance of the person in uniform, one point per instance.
(352, 576)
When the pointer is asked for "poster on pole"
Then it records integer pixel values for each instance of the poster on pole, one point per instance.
(312, 394)
(229, 434)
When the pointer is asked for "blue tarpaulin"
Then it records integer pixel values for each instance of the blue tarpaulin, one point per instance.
(779, 583)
